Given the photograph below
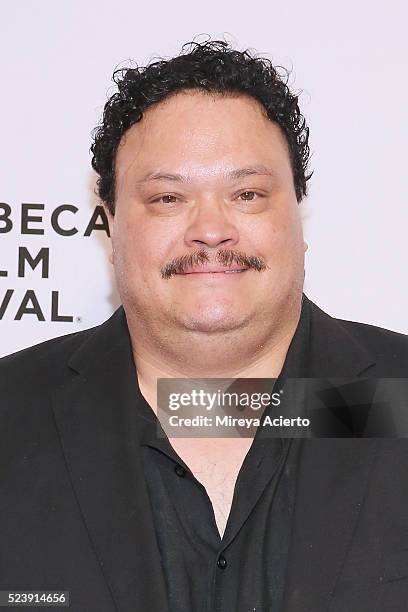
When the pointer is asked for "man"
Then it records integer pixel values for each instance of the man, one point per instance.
(202, 163)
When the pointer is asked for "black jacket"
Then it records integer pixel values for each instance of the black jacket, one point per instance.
(74, 509)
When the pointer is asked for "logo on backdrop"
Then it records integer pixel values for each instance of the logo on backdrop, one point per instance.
(28, 259)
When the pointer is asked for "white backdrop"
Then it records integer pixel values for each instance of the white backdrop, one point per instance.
(349, 60)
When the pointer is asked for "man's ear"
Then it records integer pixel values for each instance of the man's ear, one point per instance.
(110, 218)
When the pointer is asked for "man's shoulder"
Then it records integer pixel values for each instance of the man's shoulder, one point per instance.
(376, 337)
(32, 373)
(41, 363)
(382, 342)
(388, 348)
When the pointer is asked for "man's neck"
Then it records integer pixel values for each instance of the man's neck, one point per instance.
(227, 361)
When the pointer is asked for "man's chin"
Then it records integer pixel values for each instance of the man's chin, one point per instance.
(211, 325)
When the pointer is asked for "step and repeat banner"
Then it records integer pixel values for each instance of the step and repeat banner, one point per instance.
(57, 60)
(55, 275)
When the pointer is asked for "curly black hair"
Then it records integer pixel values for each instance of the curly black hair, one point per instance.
(213, 67)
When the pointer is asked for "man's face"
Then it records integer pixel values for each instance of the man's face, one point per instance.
(204, 184)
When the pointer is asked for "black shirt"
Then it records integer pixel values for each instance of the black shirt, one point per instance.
(244, 571)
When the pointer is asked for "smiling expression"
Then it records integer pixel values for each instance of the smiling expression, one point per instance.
(207, 235)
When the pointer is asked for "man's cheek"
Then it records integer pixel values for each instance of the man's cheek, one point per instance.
(277, 242)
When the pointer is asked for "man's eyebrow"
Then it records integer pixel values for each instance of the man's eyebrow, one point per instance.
(257, 169)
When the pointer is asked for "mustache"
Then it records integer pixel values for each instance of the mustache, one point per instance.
(225, 257)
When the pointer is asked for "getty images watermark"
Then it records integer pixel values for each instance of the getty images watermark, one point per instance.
(293, 407)
(223, 408)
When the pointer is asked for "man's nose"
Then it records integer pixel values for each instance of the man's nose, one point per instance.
(211, 227)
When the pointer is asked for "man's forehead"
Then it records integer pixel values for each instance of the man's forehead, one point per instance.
(227, 150)
(140, 174)
(179, 118)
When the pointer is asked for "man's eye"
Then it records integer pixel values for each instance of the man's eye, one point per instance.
(167, 199)
(248, 195)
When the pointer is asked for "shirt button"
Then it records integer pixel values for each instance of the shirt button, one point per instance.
(222, 562)
(180, 471)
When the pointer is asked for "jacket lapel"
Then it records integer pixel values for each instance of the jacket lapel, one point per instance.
(95, 415)
(332, 480)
